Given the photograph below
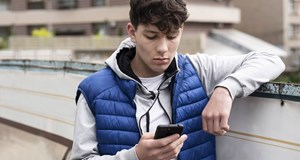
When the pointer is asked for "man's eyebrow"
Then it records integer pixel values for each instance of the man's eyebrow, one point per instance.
(174, 32)
(150, 31)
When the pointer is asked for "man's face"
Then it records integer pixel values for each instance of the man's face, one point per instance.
(154, 50)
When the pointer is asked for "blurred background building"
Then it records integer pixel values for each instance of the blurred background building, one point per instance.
(105, 17)
(275, 21)
(91, 29)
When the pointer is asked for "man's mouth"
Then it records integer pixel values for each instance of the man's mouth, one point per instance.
(161, 60)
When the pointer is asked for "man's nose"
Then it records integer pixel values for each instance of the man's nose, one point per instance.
(162, 46)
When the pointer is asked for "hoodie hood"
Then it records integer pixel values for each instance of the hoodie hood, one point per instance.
(120, 60)
(112, 61)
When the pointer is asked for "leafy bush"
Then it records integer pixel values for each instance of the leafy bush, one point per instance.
(3, 43)
(42, 32)
(289, 77)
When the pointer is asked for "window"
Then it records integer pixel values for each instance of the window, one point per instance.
(295, 57)
(66, 4)
(294, 31)
(4, 5)
(4, 32)
(98, 2)
(36, 4)
(290, 32)
(100, 29)
(70, 32)
(294, 7)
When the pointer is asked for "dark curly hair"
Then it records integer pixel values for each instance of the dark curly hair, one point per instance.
(166, 15)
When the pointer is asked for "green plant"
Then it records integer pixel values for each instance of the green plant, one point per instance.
(41, 32)
(289, 77)
(3, 43)
(120, 31)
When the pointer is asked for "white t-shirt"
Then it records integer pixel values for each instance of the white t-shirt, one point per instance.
(157, 114)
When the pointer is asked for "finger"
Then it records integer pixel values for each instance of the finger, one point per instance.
(224, 123)
(216, 125)
(165, 141)
(174, 144)
(173, 153)
(172, 150)
(204, 123)
(210, 124)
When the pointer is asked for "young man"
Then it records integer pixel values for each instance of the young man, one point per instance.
(147, 83)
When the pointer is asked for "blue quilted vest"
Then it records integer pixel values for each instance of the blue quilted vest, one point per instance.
(114, 110)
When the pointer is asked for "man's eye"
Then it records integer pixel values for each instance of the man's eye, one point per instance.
(172, 36)
(150, 37)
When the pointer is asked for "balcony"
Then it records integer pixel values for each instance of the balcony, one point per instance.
(96, 49)
(198, 14)
(4, 5)
(266, 123)
(70, 16)
(66, 4)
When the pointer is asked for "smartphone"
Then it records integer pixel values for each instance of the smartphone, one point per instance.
(167, 130)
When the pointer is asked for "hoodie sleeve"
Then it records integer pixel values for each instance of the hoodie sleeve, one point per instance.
(241, 74)
(85, 142)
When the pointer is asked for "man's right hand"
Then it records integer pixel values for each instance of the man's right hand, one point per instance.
(166, 148)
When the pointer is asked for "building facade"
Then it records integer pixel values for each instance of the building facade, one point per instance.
(275, 21)
(209, 27)
(108, 17)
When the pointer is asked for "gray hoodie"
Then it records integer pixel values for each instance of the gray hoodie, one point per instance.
(241, 75)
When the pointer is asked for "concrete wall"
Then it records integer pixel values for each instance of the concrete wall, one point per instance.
(261, 129)
(41, 100)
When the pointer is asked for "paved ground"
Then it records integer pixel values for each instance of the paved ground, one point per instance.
(16, 144)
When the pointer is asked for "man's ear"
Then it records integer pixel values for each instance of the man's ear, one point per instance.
(182, 26)
(131, 32)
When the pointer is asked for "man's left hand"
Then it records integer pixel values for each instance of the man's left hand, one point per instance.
(216, 113)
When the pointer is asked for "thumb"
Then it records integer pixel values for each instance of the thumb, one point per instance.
(224, 124)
